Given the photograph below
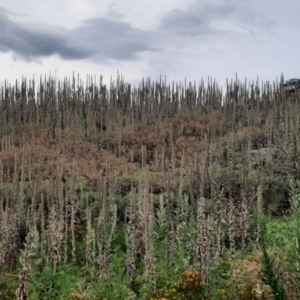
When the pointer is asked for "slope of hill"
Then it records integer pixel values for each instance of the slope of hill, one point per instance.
(116, 187)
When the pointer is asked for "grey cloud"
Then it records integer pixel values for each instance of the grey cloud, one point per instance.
(97, 39)
(116, 39)
(198, 20)
(113, 13)
(101, 39)
(5, 11)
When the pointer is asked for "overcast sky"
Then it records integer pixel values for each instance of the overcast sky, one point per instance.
(175, 38)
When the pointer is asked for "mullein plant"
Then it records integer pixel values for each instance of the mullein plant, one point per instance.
(206, 240)
(112, 206)
(90, 244)
(202, 242)
(203, 239)
(243, 221)
(233, 229)
(139, 231)
(184, 224)
(246, 199)
(55, 237)
(185, 231)
(147, 218)
(219, 220)
(30, 246)
(10, 238)
(260, 223)
(131, 238)
(69, 214)
(43, 230)
(169, 236)
(102, 239)
(105, 231)
(73, 223)
(149, 257)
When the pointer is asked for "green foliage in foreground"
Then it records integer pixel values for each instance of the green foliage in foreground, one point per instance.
(74, 282)
(278, 258)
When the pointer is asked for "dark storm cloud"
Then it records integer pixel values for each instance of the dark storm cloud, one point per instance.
(96, 39)
(199, 19)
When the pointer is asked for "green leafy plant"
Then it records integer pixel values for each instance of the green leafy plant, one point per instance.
(270, 275)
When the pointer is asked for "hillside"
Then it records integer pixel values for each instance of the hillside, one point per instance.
(140, 193)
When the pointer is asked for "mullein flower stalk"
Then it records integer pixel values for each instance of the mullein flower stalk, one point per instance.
(202, 242)
(131, 243)
(55, 236)
(149, 258)
(27, 253)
